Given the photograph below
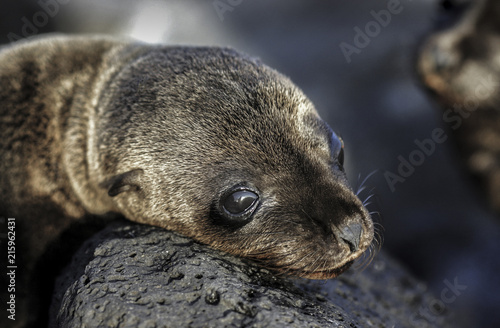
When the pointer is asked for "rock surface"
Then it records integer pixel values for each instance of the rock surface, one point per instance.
(131, 275)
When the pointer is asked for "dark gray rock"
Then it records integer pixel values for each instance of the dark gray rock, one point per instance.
(140, 276)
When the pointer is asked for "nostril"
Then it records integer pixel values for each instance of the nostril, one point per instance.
(351, 235)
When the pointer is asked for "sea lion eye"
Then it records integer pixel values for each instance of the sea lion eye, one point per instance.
(337, 150)
(340, 158)
(238, 204)
(239, 201)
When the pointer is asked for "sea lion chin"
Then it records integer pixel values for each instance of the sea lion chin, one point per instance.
(204, 141)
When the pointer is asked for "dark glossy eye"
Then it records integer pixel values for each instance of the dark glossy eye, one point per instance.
(340, 157)
(337, 150)
(238, 204)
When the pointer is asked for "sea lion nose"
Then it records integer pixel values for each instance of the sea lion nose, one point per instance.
(351, 235)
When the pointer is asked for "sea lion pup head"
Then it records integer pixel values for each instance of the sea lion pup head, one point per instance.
(216, 146)
(461, 64)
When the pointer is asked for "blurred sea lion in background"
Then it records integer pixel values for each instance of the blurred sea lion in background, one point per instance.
(461, 67)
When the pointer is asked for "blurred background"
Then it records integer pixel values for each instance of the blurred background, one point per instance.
(435, 221)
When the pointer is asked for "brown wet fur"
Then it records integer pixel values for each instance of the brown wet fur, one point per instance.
(92, 126)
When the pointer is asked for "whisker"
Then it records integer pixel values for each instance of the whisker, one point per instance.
(360, 264)
(366, 260)
(361, 186)
(289, 269)
(313, 267)
(286, 268)
(367, 199)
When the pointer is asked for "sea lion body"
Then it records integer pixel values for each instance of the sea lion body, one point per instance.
(461, 67)
(203, 141)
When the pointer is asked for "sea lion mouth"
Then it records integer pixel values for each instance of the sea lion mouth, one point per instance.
(325, 274)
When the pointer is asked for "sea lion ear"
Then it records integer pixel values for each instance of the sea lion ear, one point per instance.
(128, 181)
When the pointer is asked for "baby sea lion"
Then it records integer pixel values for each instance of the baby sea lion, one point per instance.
(204, 141)
(461, 66)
